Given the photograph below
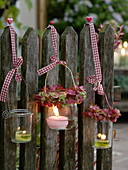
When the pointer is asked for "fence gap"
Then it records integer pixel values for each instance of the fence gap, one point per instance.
(29, 86)
(106, 52)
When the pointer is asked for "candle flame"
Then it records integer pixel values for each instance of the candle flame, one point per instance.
(103, 136)
(99, 135)
(24, 131)
(56, 111)
(18, 128)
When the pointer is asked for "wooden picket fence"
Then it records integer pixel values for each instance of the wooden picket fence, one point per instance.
(58, 150)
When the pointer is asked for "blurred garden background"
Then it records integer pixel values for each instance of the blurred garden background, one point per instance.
(63, 13)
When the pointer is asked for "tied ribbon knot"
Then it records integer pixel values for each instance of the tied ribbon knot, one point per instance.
(95, 79)
(8, 79)
(17, 62)
(97, 84)
(18, 76)
(54, 61)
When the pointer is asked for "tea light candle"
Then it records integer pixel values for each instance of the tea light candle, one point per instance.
(22, 136)
(101, 142)
(103, 137)
(57, 122)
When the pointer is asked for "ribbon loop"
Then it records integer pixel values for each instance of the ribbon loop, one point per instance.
(17, 62)
(8, 79)
(54, 39)
(95, 79)
(97, 84)
(18, 76)
(92, 79)
(54, 59)
(98, 87)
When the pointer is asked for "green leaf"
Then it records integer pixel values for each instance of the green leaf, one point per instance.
(1, 25)
(29, 4)
(12, 12)
(2, 4)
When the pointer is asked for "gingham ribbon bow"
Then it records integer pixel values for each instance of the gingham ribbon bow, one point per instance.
(97, 85)
(54, 59)
(95, 79)
(17, 62)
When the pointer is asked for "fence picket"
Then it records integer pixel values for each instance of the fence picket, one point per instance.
(29, 86)
(7, 148)
(106, 52)
(49, 138)
(86, 125)
(69, 50)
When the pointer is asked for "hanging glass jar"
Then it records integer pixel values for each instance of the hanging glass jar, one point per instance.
(63, 118)
(103, 134)
(61, 104)
(21, 125)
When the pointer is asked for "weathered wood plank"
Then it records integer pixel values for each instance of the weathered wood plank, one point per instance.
(69, 49)
(85, 125)
(7, 148)
(29, 87)
(48, 137)
(106, 52)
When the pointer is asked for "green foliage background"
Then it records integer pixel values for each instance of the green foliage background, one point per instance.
(73, 12)
(9, 10)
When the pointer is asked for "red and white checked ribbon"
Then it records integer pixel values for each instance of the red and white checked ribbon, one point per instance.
(54, 39)
(17, 62)
(54, 59)
(97, 84)
(95, 79)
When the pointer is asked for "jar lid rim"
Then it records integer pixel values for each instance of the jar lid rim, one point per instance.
(20, 112)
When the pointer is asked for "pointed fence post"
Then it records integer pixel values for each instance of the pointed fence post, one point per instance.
(29, 86)
(106, 52)
(69, 52)
(85, 125)
(7, 148)
(49, 138)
